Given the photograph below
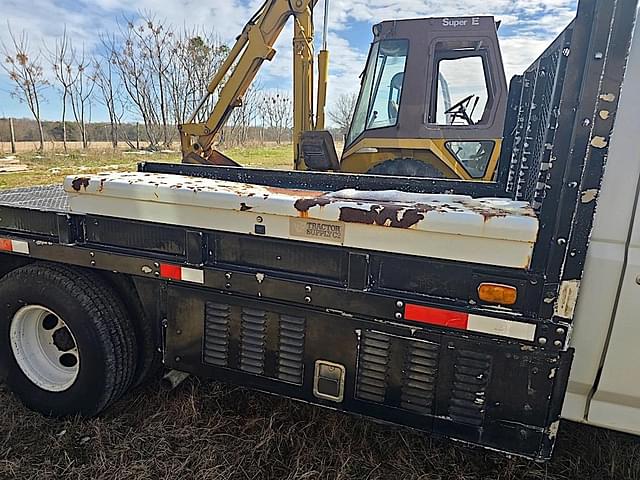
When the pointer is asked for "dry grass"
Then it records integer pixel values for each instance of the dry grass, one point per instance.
(206, 430)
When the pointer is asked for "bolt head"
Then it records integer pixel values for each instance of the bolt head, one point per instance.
(399, 304)
(542, 341)
(398, 315)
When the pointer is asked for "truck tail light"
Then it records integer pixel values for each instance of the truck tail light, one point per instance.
(471, 322)
(497, 293)
(15, 246)
(185, 274)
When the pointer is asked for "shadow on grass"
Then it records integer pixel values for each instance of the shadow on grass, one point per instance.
(209, 430)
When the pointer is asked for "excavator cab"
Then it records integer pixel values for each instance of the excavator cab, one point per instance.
(432, 103)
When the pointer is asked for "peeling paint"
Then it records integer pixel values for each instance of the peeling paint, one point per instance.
(80, 182)
(260, 277)
(553, 430)
(384, 216)
(607, 97)
(567, 298)
(604, 114)
(589, 195)
(599, 142)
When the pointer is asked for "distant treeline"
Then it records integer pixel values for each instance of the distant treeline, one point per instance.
(131, 134)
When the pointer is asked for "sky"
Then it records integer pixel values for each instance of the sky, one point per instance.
(526, 29)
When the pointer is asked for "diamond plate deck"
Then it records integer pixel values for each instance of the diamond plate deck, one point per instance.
(45, 197)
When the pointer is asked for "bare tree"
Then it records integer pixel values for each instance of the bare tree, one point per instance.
(277, 110)
(198, 56)
(155, 41)
(143, 56)
(243, 117)
(110, 89)
(342, 113)
(61, 60)
(25, 70)
(80, 93)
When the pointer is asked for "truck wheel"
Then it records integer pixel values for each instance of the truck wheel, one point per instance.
(67, 345)
(405, 167)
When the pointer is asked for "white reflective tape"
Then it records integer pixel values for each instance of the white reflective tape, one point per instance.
(19, 246)
(502, 328)
(192, 275)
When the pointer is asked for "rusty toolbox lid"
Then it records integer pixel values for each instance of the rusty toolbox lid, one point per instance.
(494, 231)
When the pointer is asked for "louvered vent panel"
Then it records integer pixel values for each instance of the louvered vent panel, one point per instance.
(372, 367)
(421, 368)
(252, 344)
(472, 372)
(291, 345)
(216, 335)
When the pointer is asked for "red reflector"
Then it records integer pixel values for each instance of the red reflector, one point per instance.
(5, 245)
(170, 271)
(435, 316)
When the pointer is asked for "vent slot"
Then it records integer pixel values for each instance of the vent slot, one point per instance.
(372, 367)
(216, 334)
(252, 344)
(291, 349)
(421, 369)
(472, 372)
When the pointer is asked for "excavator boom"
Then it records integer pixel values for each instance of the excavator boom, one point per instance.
(252, 48)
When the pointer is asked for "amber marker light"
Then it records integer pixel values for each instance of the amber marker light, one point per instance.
(497, 293)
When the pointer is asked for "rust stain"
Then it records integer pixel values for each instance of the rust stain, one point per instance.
(304, 204)
(244, 207)
(384, 216)
(296, 193)
(80, 182)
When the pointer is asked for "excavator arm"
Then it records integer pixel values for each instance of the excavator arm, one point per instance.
(252, 48)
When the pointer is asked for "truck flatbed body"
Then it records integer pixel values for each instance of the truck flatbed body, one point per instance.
(410, 338)
(360, 293)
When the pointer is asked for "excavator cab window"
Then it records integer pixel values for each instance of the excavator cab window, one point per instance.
(462, 93)
(381, 92)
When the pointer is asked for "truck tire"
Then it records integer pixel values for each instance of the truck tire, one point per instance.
(405, 167)
(67, 345)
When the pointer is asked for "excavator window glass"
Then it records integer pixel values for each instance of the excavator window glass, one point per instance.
(462, 94)
(379, 101)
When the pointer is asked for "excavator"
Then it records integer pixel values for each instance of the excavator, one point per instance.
(432, 101)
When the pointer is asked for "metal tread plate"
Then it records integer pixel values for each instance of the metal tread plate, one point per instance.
(43, 197)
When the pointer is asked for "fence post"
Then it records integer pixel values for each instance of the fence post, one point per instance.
(12, 133)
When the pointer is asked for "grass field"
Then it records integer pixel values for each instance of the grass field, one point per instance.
(52, 167)
(207, 430)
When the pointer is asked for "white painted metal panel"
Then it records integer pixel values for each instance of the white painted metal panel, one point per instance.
(487, 231)
(615, 401)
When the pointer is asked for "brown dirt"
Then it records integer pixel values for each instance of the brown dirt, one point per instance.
(206, 430)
